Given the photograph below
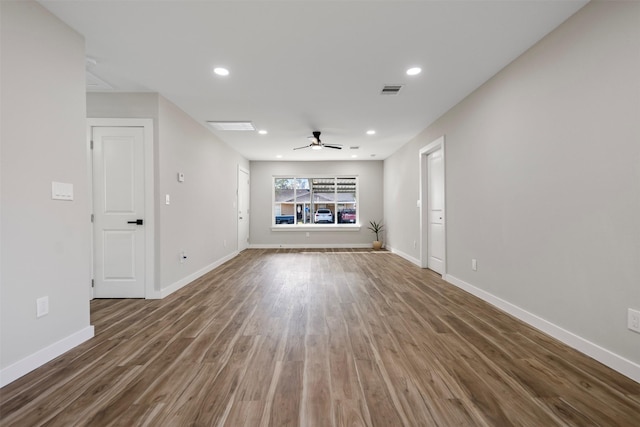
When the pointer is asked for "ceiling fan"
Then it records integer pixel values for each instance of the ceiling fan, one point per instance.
(316, 144)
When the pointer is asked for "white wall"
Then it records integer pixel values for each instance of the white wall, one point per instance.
(132, 105)
(543, 183)
(202, 215)
(45, 243)
(370, 203)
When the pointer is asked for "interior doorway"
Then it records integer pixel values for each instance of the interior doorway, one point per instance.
(121, 165)
(432, 207)
(243, 208)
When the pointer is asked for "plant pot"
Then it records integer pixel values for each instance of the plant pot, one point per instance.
(377, 245)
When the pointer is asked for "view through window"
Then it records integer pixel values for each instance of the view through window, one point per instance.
(312, 201)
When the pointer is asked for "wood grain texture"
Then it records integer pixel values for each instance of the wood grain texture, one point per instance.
(318, 338)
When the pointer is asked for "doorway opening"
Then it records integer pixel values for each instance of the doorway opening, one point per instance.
(120, 159)
(244, 216)
(432, 207)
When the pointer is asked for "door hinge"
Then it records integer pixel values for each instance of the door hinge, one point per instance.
(91, 217)
(92, 283)
(91, 144)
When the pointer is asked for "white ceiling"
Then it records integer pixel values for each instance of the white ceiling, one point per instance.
(300, 66)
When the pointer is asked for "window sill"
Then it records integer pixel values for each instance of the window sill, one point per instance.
(316, 227)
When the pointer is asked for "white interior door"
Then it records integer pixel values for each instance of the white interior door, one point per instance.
(119, 208)
(435, 211)
(243, 209)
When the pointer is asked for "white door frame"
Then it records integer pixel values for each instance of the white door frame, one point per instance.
(149, 244)
(241, 169)
(436, 145)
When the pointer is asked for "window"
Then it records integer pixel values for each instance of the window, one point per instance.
(315, 201)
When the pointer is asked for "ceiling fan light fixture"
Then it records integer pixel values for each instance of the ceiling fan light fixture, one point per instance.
(316, 144)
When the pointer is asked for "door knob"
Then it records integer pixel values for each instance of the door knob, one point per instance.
(137, 222)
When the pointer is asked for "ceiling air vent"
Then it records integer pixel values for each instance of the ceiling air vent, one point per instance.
(242, 126)
(390, 89)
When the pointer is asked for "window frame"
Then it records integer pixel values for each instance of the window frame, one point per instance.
(335, 226)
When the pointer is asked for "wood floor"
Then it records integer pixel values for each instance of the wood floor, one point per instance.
(324, 338)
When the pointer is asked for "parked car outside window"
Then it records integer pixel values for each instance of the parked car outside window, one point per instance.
(323, 215)
(347, 216)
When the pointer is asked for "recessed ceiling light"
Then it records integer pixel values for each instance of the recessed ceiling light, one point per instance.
(414, 71)
(263, 132)
(232, 125)
(353, 156)
(371, 132)
(278, 156)
(221, 71)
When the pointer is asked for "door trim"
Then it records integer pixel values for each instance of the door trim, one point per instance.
(149, 195)
(434, 146)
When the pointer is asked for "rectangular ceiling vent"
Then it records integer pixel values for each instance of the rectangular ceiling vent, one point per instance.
(231, 125)
(391, 89)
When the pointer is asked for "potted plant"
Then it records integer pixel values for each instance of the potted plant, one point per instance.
(376, 227)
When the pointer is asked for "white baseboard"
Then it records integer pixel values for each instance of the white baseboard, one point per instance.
(616, 362)
(39, 358)
(190, 278)
(404, 255)
(310, 246)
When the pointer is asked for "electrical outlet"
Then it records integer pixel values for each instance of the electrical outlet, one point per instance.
(42, 306)
(474, 264)
(182, 256)
(633, 320)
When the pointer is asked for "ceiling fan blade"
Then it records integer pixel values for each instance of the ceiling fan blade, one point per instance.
(300, 148)
(333, 146)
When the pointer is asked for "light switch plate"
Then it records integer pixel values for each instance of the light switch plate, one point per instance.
(167, 200)
(633, 320)
(61, 191)
(42, 306)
